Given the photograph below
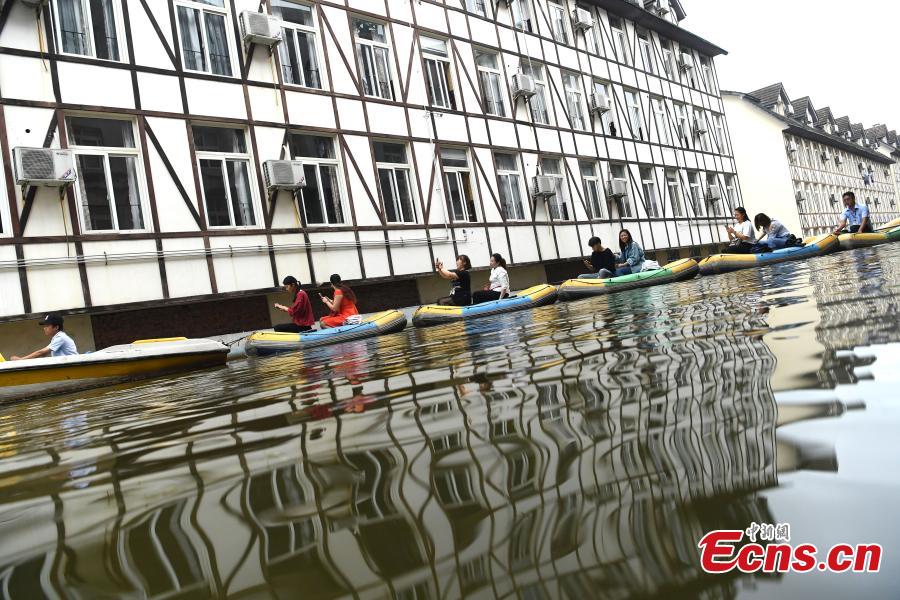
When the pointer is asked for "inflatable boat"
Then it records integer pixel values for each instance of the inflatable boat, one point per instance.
(38, 377)
(433, 314)
(850, 241)
(679, 270)
(813, 246)
(265, 343)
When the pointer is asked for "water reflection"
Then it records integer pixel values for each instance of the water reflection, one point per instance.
(575, 451)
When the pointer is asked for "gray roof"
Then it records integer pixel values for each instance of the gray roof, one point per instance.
(857, 131)
(768, 96)
(823, 115)
(878, 132)
(801, 105)
(843, 125)
(892, 137)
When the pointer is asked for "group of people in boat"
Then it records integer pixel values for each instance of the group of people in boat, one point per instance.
(773, 235)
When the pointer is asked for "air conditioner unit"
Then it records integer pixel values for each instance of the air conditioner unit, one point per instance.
(616, 188)
(792, 147)
(51, 167)
(826, 155)
(582, 19)
(839, 159)
(284, 174)
(833, 199)
(699, 127)
(800, 197)
(259, 28)
(599, 103)
(523, 86)
(713, 193)
(543, 187)
(686, 62)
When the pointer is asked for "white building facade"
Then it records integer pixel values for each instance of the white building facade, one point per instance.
(796, 162)
(422, 128)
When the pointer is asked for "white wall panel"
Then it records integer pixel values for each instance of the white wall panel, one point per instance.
(186, 276)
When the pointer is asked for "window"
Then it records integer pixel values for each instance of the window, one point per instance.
(492, 88)
(648, 185)
(721, 141)
(700, 127)
(593, 193)
(297, 50)
(106, 159)
(521, 14)
(620, 173)
(731, 191)
(87, 27)
(590, 34)
(659, 116)
(668, 58)
(537, 103)
(558, 205)
(477, 7)
(715, 206)
(574, 103)
(646, 51)
(708, 79)
(683, 128)
(393, 177)
(460, 200)
(620, 45)
(225, 176)
(437, 72)
(509, 182)
(607, 119)
(321, 198)
(204, 36)
(558, 20)
(635, 116)
(696, 193)
(374, 59)
(674, 188)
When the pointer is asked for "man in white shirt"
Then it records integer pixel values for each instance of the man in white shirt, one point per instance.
(60, 343)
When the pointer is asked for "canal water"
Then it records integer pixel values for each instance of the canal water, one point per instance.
(575, 451)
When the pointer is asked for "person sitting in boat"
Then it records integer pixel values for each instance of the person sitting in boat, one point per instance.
(60, 342)
(741, 234)
(342, 306)
(631, 258)
(301, 311)
(602, 262)
(460, 281)
(777, 235)
(855, 216)
(498, 283)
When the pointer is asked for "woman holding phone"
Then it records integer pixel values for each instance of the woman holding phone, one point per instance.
(342, 306)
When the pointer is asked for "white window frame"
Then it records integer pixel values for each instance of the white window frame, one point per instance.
(593, 190)
(574, 99)
(463, 178)
(224, 157)
(645, 45)
(106, 152)
(707, 72)
(651, 196)
(121, 48)
(731, 194)
(658, 105)
(608, 118)
(591, 41)
(443, 67)
(676, 198)
(717, 208)
(374, 48)
(495, 77)
(696, 196)
(558, 23)
(683, 124)
(478, 7)
(721, 137)
(668, 57)
(700, 117)
(203, 9)
(320, 162)
(318, 53)
(626, 208)
(560, 200)
(504, 177)
(620, 42)
(538, 102)
(392, 168)
(521, 11)
(635, 114)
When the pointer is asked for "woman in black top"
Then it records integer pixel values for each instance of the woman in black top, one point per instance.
(461, 282)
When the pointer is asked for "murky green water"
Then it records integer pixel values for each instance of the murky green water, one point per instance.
(576, 451)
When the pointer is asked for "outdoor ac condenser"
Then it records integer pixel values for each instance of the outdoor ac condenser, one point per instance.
(616, 188)
(582, 19)
(523, 86)
(714, 193)
(50, 167)
(543, 187)
(687, 62)
(259, 28)
(599, 103)
(284, 174)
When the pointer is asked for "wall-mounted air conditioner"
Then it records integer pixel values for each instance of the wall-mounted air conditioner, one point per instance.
(284, 174)
(714, 193)
(259, 28)
(839, 159)
(582, 19)
(616, 188)
(686, 62)
(826, 155)
(51, 167)
(832, 198)
(792, 147)
(699, 127)
(543, 187)
(523, 86)
(599, 103)
(800, 197)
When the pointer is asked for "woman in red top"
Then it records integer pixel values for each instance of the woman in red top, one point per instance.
(342, 306)
(301, 311)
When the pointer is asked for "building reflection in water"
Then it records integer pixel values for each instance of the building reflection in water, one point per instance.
(582, 467)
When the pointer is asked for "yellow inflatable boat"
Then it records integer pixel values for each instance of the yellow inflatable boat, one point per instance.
(38, 377)
(884, 235)
(433, 314)
(813, 246)
(679, 270)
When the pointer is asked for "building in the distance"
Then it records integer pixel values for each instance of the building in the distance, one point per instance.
(796, 161)
(168, 203)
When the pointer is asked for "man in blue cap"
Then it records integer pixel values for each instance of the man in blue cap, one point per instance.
(60, 342)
